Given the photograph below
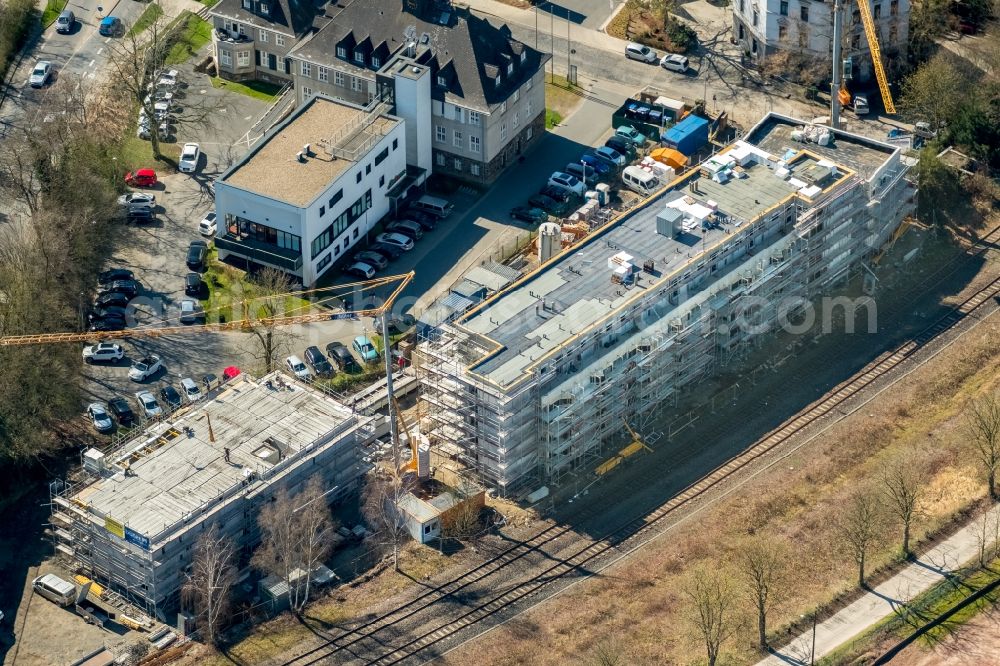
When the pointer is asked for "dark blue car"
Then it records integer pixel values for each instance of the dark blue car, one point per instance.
(597, 164)
(111, 26)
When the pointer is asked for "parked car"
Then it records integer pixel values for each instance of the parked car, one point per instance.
(630, 133)
(208, 226)
(557, 193)
(140, 215)
(148, 405)
(408, 228)
(145, 368)
(602, 167)
(398, 240)
(387, 250)
(99, 417)
(111, 26)
(639, 52)
(426, 221)
(610, 155)
(548, 204)
(197, 251)
(107, 312)
(319, 363)
(341, 356)
(861, 107)
(128, 287)
(190, 389)
(190, 155)
(65, 22)
(108, 325)
(170, 396)
(297, 367)
(103, 352)
(620, 145)
(168, 79)
(137, 199)
(143, 129)
(141, 178)
(582, 172)
(192, 284)
(373, 259)
(120, 408)
(360, 269)
(674, 62)
(41, 74)
(529, 215)
(568, 182)
(114, 274)
(189, 312)
(113, 299)
(365, 348)
(396, 324)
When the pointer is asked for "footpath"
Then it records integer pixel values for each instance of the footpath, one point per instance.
(933, 566)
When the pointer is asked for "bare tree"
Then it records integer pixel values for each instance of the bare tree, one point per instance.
(902, 485)
(276, 554)
(381, 497)
(858, 525)
(463, 520)
(710, 610)
(317, 529)
(266, 299)
(988, 536)
(760, 562)
(607, 653)
(209, 585)
(984, 430)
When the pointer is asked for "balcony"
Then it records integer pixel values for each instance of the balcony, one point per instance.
(260, 253)
(229, 48)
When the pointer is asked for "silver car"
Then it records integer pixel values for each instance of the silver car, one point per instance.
(41, 74)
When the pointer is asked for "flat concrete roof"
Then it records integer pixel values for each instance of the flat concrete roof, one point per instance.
(575, 292)
(272, 169)
(179, 466)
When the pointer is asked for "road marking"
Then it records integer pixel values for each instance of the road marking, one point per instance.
(251, 118)
(100, 50)
(107, 40)
(91, 64)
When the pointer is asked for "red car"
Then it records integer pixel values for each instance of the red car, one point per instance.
(141, 178)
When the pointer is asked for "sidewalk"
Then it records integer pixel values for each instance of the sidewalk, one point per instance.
(931, 568)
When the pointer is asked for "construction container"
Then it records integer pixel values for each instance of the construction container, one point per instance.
(688, 136)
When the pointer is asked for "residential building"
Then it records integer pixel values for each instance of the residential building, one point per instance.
(312, 187)
(132, 517)
(251, 38)
(803, 27)
(484, 97)
(535, 382)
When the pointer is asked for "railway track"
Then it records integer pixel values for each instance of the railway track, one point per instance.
(637, 530)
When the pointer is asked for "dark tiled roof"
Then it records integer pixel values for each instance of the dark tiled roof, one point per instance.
(288, 16)
(469, 50)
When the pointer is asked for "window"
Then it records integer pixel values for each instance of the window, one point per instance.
(279, 40)
(503, 107)
(496, 81)
(741, 31)
(474, 144)
(243, 58)
(226, 58)
(510, 68)
(338, 78)
(855, 41)
(241, 29)
(368, 169)
(527, 84)
(341, 224)
(783, 8)
(324, 262)
(439, 158)
(322, 211)
(280, 64)
(474, 168)
(357, 178)
(782, 32)
(323, 74)
(855, 17)
(247, 4)
(458, 164)
(524, 56)
(474, 118)
(440, 134)
(459, 114)
(516, 120)
(335, 198)
(457, 139)
(341, 52)
(354, 234)
(381, 156)
(395, 144)
(262, 35)
(527, 108)
(742, 7)
(894, 7)
(381, 180)
(878, 11)
(503, 131)
(442, 81)
(264, 8)
(804, 13)
(517, 96)
(359, 56)
(305, 69)
(356, 84)
(755, 17)
(307, 92)
(528, 132)
(265, 234)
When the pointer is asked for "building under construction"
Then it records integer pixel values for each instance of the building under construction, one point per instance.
(536, 380)
(131, 520)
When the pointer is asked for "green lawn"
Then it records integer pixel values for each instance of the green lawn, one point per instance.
(194, 34)
(53, 8)
(146, 19)
(209, 3)
(266, 92)
(220, 280)
(343, 381)
(137, 153)
(551, 119)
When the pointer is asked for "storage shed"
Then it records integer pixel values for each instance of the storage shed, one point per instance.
(687, 136)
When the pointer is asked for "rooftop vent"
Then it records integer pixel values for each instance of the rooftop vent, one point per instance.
(307, 149)
(301, 157)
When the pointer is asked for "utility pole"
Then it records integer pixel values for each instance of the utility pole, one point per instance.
(568, 44)
(536, 27)
(552, 42)
(837, 66)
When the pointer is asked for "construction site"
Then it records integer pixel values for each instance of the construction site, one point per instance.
(536, 381)
(131, 516)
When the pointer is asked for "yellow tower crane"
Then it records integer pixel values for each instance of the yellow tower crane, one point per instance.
(883, 83)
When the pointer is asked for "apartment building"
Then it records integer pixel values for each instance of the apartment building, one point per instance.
(536, 381)
(312, 187)
(251, 38)
(805, 27)
(133, 517)
(485, 95)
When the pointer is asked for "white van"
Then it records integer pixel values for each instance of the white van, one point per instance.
(55, 589)
(640, 181)
(437, 207)
(639, 52)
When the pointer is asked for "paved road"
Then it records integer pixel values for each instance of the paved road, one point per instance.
(888, 598)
